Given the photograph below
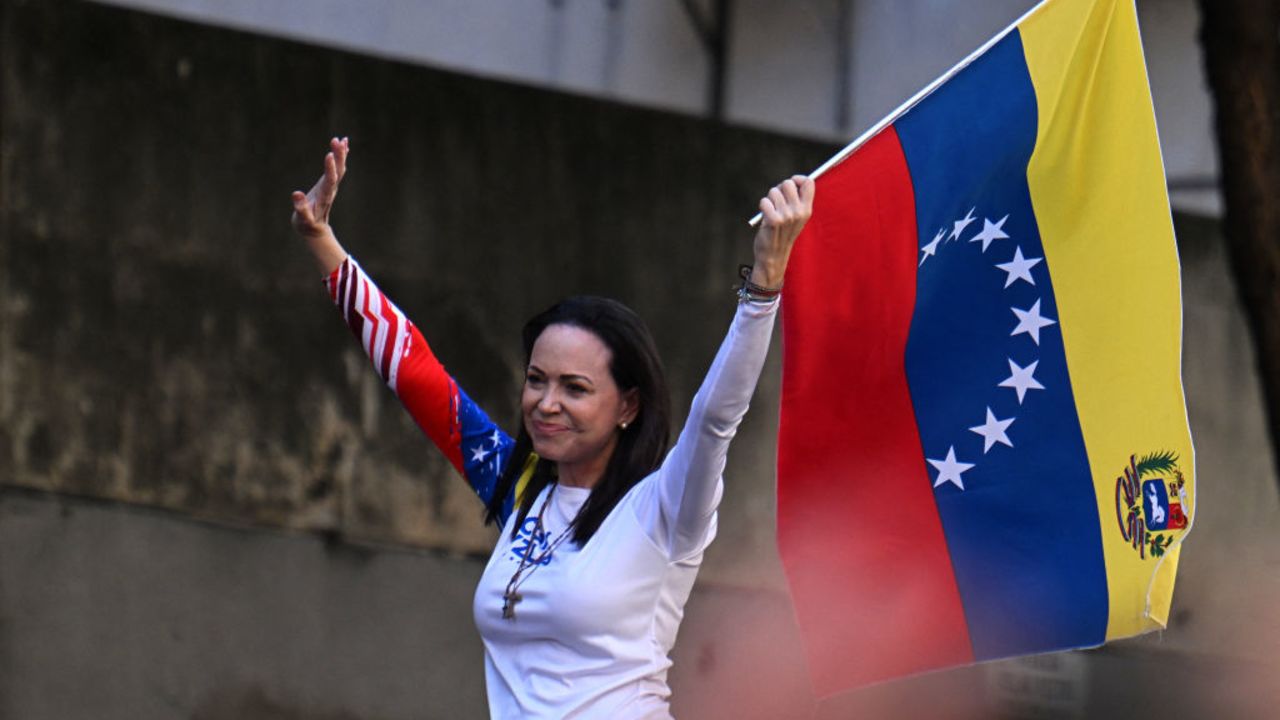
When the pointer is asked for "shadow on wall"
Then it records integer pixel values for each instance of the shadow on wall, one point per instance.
(254, 703)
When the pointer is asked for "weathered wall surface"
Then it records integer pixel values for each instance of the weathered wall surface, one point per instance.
(164, 345)
(110, 611)
(165, 339)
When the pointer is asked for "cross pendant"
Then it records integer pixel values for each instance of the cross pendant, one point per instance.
(509, 601)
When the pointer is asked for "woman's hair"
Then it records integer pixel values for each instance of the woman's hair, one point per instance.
(634, 365)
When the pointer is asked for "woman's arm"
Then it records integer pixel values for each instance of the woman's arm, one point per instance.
(689, 482)
(473, 443)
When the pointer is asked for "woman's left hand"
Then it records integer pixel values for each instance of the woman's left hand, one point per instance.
(784, 212)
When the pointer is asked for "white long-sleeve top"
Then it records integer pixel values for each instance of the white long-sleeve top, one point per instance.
(593, 631)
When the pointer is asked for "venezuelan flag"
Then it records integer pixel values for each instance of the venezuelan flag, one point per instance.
(984, 449)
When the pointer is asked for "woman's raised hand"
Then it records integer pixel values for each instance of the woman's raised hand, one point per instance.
(311, 209)
(784, 212)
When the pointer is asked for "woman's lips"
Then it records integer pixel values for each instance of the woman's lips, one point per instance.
(545, 428)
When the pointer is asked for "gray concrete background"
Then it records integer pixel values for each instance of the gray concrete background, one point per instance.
(165, 337)
(117, 612)
(785, 70)
(209, 508)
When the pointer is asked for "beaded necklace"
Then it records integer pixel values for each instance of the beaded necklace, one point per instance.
(512, 596)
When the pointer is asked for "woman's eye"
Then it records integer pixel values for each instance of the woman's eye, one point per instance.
(533, 379)
(577, 389)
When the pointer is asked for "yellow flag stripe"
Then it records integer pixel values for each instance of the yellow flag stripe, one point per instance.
(1098, 188)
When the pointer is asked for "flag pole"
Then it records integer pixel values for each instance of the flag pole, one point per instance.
(910, 103)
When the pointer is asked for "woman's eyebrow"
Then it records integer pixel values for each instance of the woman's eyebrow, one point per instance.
(563, 377)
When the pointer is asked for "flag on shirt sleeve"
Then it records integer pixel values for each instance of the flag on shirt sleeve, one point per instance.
(475, 445)
(984, 448)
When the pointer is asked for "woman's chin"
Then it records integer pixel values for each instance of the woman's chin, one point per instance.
(547, 451)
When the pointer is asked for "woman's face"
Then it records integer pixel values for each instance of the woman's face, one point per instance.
(571, 405)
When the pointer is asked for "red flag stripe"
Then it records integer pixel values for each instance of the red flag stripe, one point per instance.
(851, 286)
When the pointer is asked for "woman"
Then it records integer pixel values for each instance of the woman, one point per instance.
(603, 530)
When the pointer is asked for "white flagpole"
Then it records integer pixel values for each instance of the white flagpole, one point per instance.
(904, 107)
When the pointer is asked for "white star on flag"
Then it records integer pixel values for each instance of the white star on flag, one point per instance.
(932, 247)
(496, 438)
(990, 231)
(1019, 268)
(960, 225)
(993, 431)
(1021, 379)
(1030, 322)
(949, 469)
(478, 453)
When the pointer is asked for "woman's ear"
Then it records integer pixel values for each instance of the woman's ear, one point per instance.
(630, 406)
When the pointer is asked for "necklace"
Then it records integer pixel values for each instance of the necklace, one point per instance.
(512, 595)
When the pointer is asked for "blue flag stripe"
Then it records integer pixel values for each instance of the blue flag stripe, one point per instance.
(1013, 485)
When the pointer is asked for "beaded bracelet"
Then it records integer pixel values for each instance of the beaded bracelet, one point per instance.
(751, 292)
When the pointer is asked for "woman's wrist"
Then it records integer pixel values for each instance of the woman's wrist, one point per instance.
(326, 250)
(753, 292)
(767, 274)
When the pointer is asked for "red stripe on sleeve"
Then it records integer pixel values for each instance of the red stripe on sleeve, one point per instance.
(430, 396)
(858, 528)
(331, 282)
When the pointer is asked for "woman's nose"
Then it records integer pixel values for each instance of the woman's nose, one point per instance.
(548, 403)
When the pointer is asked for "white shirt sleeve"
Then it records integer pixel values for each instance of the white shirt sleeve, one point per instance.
(689, 484)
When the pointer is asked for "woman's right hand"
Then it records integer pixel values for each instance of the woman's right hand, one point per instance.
(311, 209)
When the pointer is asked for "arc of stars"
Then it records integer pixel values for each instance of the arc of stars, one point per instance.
(1021, 380)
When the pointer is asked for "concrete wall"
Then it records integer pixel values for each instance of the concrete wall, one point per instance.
(110, 611)
(785, 71)
(165, 337)
(209, 508)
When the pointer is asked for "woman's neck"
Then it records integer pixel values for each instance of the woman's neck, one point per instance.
(575, 475)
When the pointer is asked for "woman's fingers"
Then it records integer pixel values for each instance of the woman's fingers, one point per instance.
(791, 193)
(804, 191)
(311, 209)
(779, 203)
(304, 219)
(807, 190)
(325, 191)
(300, 204)
(791, 201)
(770, 212)
(340, 150)
(330, 171)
